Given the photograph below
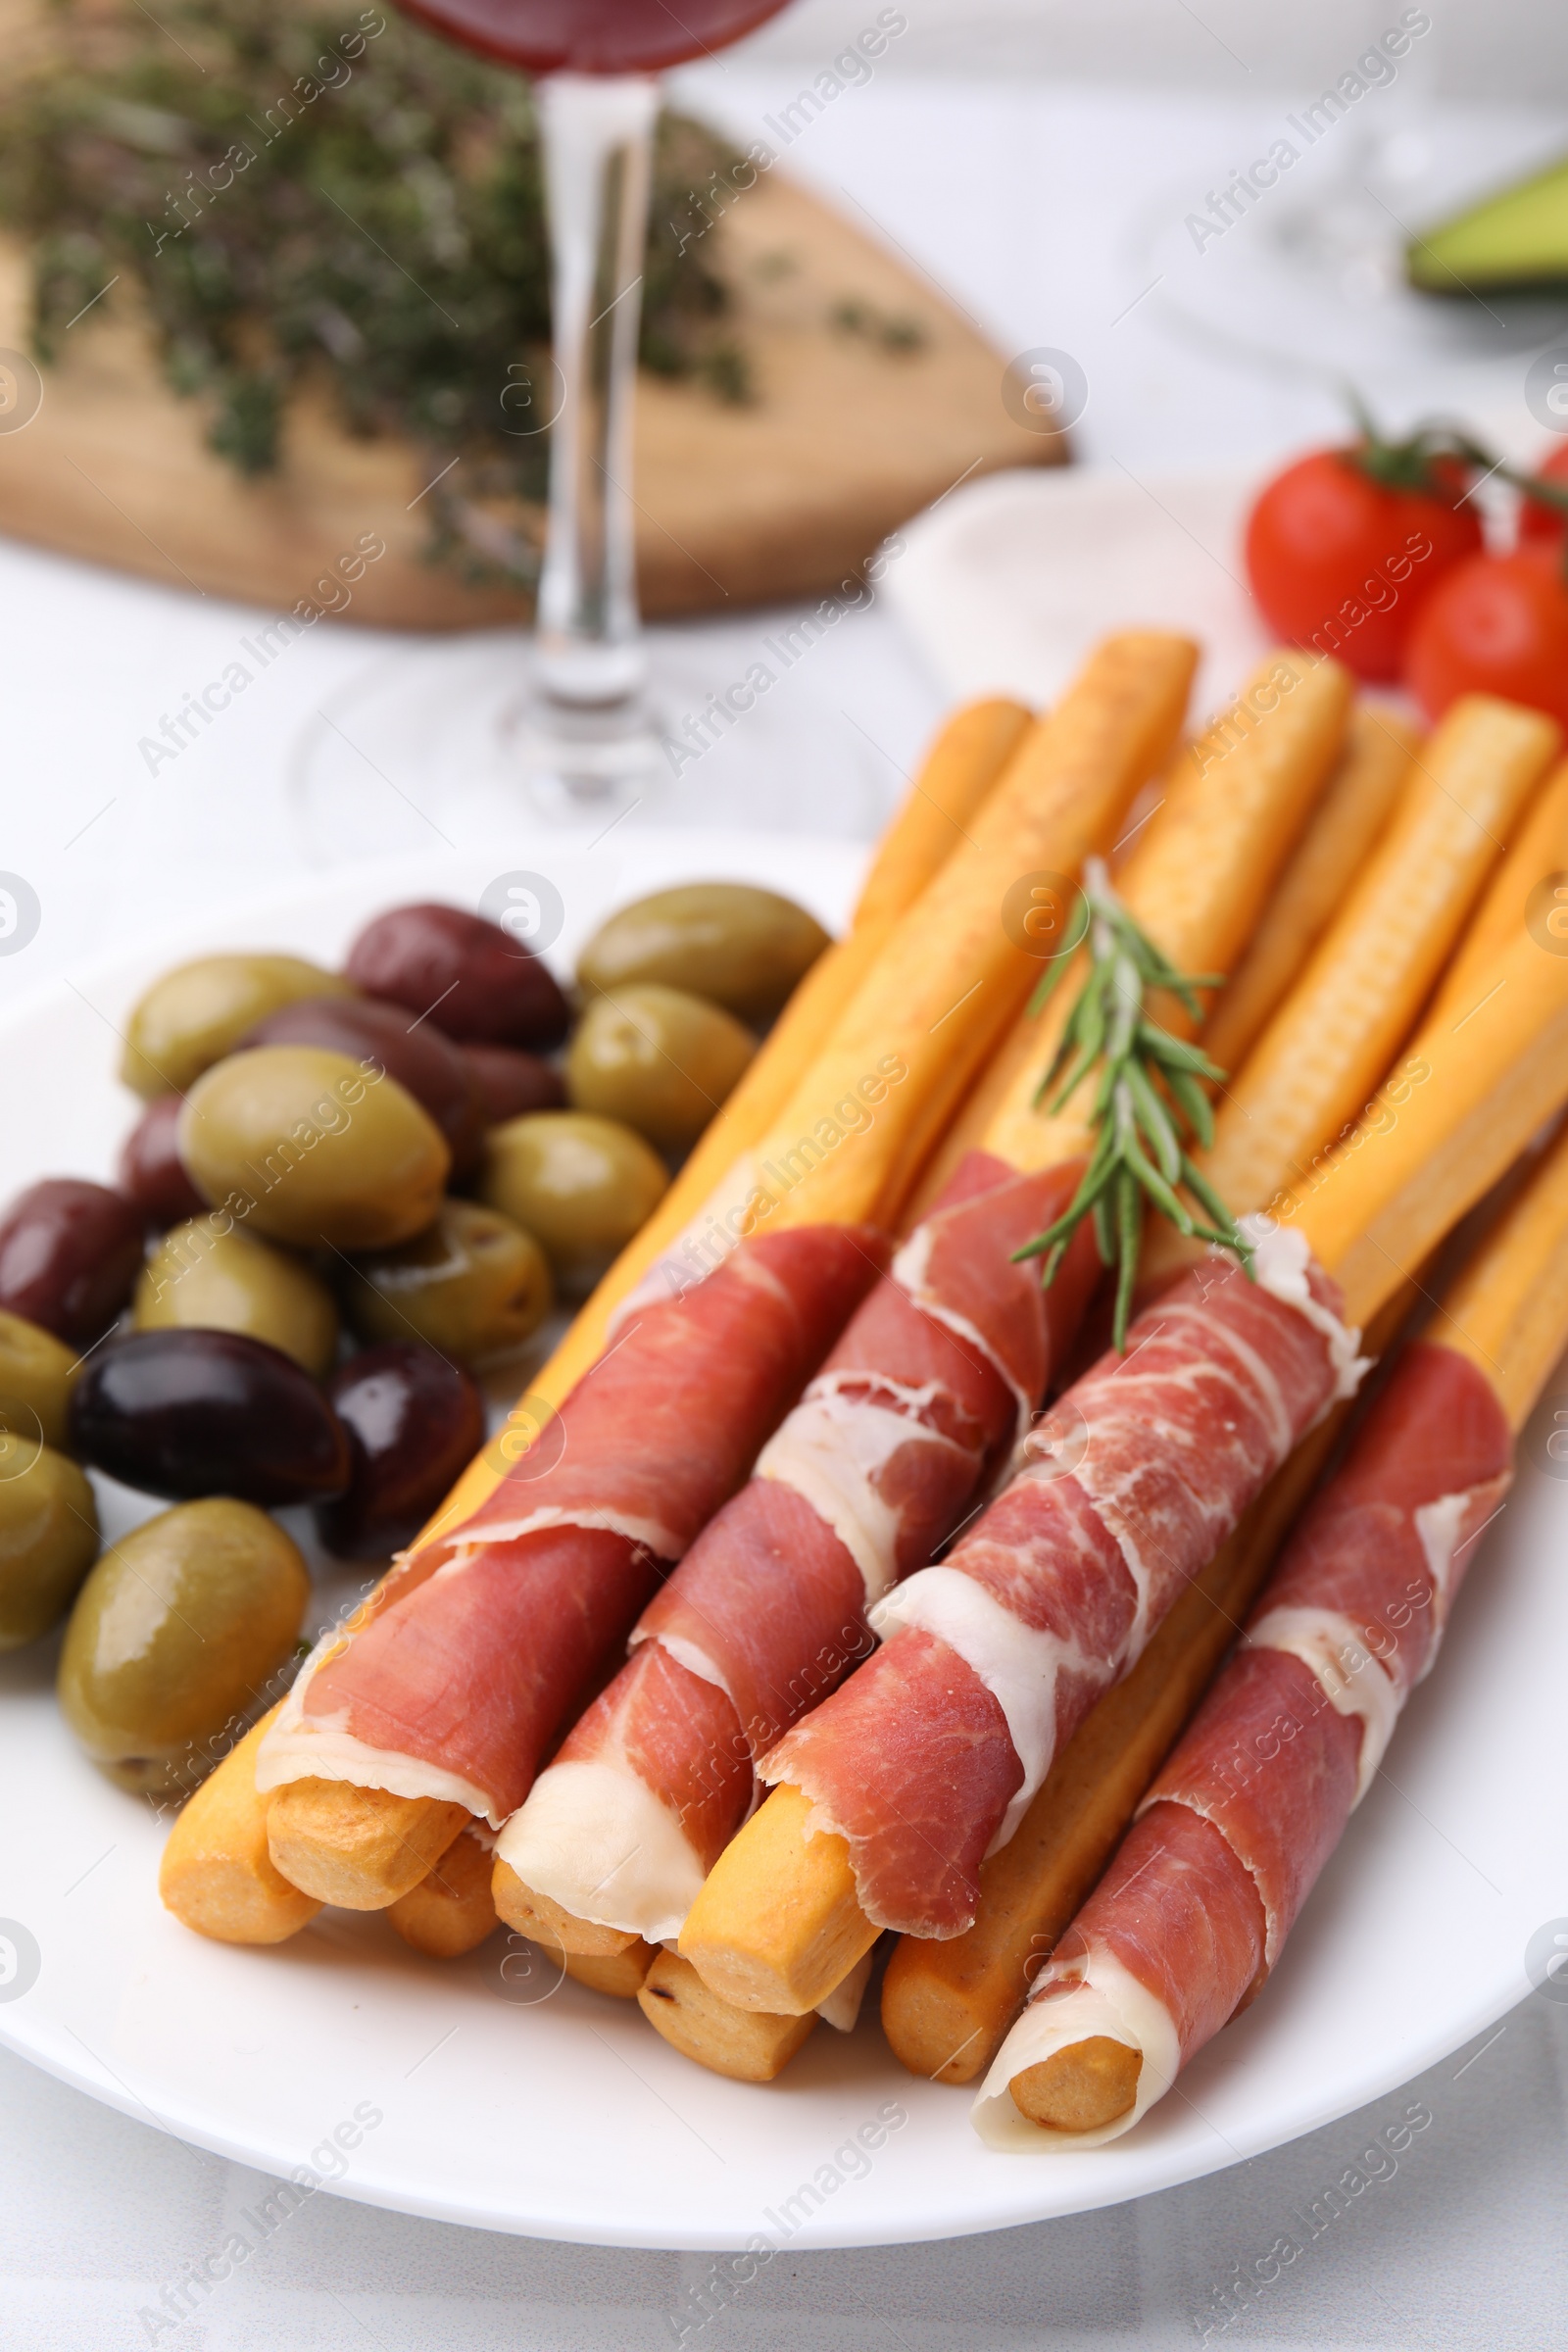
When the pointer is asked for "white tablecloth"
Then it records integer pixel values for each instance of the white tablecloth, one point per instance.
(1026, 200)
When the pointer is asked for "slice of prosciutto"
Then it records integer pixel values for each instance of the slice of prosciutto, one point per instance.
(934, 1380)
(927, 1757)
(1191, 1915)
(481, 1646)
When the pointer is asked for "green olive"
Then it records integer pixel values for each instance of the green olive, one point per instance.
(580, 1185)
(475, 1285)
(48, 1537)
(200, 1277)
(657, 1059)
(174, 1635)
(198, 1012)
(311, 1147)
(742, 946)
(38, 1373)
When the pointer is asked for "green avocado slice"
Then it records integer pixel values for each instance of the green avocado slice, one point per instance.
(1514, 241)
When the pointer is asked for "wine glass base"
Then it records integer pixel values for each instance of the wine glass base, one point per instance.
(578, 761)
(449, 744)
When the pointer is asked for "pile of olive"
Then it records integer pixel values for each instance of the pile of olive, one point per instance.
(425, 1148)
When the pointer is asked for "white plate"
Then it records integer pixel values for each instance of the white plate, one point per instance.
(541, 2109)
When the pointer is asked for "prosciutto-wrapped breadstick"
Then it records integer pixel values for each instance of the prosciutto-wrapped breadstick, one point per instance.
(453, 1688)
(419, 1718)
(1195, 1907)
(218, 1876)
(946, 1362)
(931, 1754)
(766, 1613)
(891, 1793)
(945, 2007)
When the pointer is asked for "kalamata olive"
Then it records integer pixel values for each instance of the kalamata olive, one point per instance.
(658, 1059)
(202, 1278)
(741, 947)
(423, 1061)
(413, 1422)
(579, 1184)
(474, 1285)
(198, 1012)
(69, 1254)
(36, 1374)
(207, 1413)
(151, 1171)
(314, 1148)
(48, 1538)
(174, 1635)
(512, 1082)
(462, 973)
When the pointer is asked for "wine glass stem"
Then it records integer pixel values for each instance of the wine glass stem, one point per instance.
(598, 142)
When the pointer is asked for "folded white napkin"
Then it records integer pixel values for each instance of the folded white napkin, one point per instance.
(1006, 583)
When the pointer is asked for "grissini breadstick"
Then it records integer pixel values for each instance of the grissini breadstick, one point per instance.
(1199, 879)
(946, 2006)
(1540, 852)
(881, 1458)
(450, 1911)
(621, 1975)
(216, 1874)
(1334, 1037)
(959, 770)
(953, 973)
(1422, 1158)
(971, 751)
(1470, 1095)
(1199, 1901)
(742, 2043)
(339, 1838)
(451, 1689)
(1345, 826)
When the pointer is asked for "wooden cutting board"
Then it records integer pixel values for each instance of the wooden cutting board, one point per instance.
(781, 498)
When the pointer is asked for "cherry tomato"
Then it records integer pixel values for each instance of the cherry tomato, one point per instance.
(1339, 561)
(1497, 624)
(1539, 523)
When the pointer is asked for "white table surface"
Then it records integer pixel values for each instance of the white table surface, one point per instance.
(1030, 203)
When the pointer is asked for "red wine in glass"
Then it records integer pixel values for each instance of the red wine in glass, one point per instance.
(593, 36)
(588, 731)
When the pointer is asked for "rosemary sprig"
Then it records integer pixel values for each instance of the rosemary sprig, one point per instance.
(1147, 1101)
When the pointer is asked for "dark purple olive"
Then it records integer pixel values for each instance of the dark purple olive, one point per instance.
(461, 972)
(69, 1254)
(185, 1413)
(512, 1082)
(151, 1171)
(415, 1422)
(427, 1065)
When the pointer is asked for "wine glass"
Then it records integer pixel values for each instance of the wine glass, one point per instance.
(580, 722)
(1290, 260)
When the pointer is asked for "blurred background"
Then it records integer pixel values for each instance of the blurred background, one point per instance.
(978, 188)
